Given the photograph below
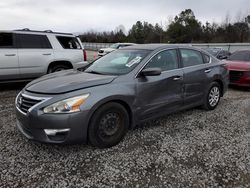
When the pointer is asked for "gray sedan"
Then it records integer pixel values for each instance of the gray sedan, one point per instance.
(100, 102)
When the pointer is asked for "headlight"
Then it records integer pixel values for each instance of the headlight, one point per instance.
(67, 106)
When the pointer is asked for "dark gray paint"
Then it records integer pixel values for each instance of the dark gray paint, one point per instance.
(144, 97)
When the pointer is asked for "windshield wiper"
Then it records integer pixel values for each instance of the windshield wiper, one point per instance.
(94, 72)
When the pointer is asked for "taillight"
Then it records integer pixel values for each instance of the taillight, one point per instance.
(84, 55)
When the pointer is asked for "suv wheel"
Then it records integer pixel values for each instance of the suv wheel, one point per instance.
(108, 125)
(213, 96)
(57, 68)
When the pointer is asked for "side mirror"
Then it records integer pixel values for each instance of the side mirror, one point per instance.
(222, 57)
(151, 72)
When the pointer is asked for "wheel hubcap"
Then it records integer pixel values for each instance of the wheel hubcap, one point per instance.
(109, 124)
(214, 96)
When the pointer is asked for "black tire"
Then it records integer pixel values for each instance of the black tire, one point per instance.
(108, 125)
(212, 101)
(57, 68)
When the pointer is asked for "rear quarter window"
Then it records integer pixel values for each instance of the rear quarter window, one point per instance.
(69, 42)
(206, 58)
(240, 56)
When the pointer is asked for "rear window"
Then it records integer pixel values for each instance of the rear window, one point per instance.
(240, 56)
(69, 42)
(33, 41)
(6, 40)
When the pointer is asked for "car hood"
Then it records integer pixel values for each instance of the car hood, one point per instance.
(66, 81)
(238, 65)
(108, 49)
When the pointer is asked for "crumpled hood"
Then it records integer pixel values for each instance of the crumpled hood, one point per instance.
(66, 81)
(238, 65)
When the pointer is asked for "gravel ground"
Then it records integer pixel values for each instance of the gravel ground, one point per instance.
(193, 148)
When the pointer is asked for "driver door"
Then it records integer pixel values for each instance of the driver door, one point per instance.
(164, 93)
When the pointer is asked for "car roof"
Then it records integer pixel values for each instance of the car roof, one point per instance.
(156, 46)
(28, 31)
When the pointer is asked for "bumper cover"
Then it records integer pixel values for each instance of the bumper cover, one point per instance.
(33, 127)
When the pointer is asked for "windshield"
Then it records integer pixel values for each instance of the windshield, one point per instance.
(240, 56)
(212, 51)
(118, 62)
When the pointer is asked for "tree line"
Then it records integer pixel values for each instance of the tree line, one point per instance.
(184, 28)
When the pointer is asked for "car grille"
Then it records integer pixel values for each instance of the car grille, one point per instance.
(24, 103)
(235, 75)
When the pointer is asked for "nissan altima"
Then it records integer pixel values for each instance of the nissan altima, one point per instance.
(99, 103)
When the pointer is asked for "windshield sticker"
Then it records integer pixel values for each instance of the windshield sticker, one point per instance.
(133, 61)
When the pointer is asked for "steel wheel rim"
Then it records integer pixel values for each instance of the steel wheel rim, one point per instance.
(109, 124)
(214, 96)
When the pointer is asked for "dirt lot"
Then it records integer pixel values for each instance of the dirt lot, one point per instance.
(193, 148)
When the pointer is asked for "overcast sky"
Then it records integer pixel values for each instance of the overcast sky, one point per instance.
(84, 15)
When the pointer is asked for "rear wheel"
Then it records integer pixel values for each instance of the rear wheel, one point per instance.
(213, 96)
(57, 68)
(108, 125)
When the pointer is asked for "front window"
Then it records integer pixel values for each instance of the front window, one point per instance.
(165, 60)
(118, 62)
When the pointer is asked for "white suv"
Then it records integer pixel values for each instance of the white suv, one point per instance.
(27, 54)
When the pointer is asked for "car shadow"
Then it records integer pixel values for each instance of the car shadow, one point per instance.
(238, 88)
(12, 86)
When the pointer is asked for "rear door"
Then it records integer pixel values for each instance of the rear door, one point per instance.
(164, 93)
(195, 75)
(9, 67)
(35, 52)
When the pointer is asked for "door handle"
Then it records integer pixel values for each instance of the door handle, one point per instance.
(207, 70)
(47, 54)
(10, 55)
(176, 78)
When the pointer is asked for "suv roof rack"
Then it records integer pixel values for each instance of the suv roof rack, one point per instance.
(45, 31)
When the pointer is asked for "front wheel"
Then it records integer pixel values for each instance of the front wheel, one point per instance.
(213, 96)
(108, 125)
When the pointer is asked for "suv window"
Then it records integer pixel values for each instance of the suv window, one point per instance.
(166, 60)
(6, 40)
(191, 57)
(33, 41)
(69, 42)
